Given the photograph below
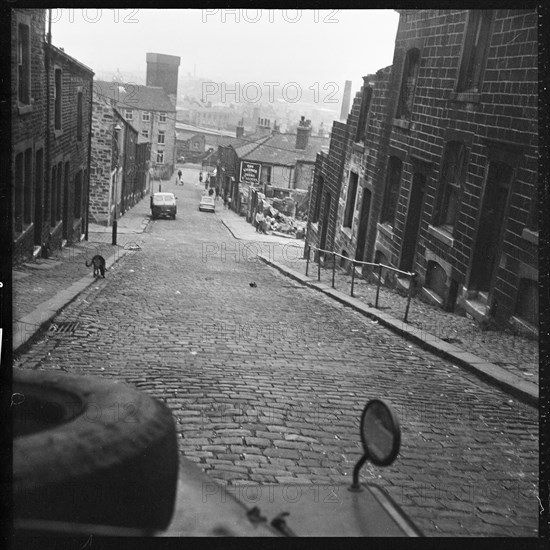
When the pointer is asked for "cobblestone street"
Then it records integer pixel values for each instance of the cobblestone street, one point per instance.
(267, 382)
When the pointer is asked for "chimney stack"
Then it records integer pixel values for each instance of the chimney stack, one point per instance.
(346, 101)
(302, 133)
(240, 129)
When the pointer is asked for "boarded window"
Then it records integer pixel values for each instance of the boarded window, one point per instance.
(57, 99)
(474, 53)
(23, 64)
(408, 84)
(350, 202)
(452, 174)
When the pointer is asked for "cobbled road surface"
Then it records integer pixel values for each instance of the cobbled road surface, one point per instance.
(267, 383)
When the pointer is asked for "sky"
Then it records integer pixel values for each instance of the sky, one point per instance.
(310, 47)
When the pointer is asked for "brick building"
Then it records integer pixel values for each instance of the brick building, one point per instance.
(440, 164)
(51, 114)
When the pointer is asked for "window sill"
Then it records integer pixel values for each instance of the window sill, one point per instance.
(358, 147)
(25, 109)
(401, 123)
(346, 231)
(530, 236)
(385, 229)
(441, 235)
(20, 235)
(466, 97)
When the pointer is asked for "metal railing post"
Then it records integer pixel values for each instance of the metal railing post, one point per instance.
(307, 259)
(378, 285)
(319, 267)
(352, 276)
(409, 296)
(333, 267)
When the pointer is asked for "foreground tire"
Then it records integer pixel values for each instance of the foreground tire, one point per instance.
(88, 450)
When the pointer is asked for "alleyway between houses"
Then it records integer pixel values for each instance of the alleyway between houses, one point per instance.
(267, 382)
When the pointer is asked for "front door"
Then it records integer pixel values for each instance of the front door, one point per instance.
(412, 225)
(363, 226)
(66, 202)
(487, 247)
(326, 214)
(38, 197)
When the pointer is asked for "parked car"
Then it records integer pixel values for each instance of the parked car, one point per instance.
(207, 204)
(163, 204)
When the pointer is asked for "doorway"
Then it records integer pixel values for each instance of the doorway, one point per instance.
(488, 240)
(38, 196)
(363, 225)
(66, 202)
(412, 225)
(326, 213)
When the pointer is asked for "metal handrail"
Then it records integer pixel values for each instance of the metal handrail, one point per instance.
(409, 274)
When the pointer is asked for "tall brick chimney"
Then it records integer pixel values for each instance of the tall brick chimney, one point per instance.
(240, 129)
(162, 70)
(302, 133)
(346, 101)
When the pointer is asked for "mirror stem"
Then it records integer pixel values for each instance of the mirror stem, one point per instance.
(356, 486)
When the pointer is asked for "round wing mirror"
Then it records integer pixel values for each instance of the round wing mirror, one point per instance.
(380, 435)
(380, 432)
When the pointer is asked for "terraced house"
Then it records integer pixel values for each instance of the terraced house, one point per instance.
(51, 112)
(436, 169)
(151, 112)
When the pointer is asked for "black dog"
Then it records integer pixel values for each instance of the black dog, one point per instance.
(99, 265)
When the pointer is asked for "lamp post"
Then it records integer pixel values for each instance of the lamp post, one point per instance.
(118, 128)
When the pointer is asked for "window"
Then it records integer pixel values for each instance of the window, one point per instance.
(408, 82)
(452, 173)
(23, 64)
(129, 114)
(393, 179)
(317, 210)
(196, 144)
(161, 136)
(365, 106)
(78, 195)
(79, 116)
(265, 176)
(145, 133)
(146, 116)
(57, 99)
(162, 117)
(160, 157)
(350, 201)
(474, 52)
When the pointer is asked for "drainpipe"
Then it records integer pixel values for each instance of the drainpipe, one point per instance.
(89, 157)
(48, 151)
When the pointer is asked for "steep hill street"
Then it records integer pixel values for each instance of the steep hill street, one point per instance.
(267, 382)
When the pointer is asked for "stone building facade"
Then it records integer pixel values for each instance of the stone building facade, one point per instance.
(51, 112)
(150, 111)
(449, 157)
(116, 170)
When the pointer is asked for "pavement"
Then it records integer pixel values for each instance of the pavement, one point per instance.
(43, 287)
(266, 377)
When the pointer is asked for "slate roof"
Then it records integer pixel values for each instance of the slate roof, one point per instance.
(135, 96)
(280, 149)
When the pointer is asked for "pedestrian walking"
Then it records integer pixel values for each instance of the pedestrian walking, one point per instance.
(200, 177)
(259, 221)
(217, 192)
(229, 203)
(225, 201)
